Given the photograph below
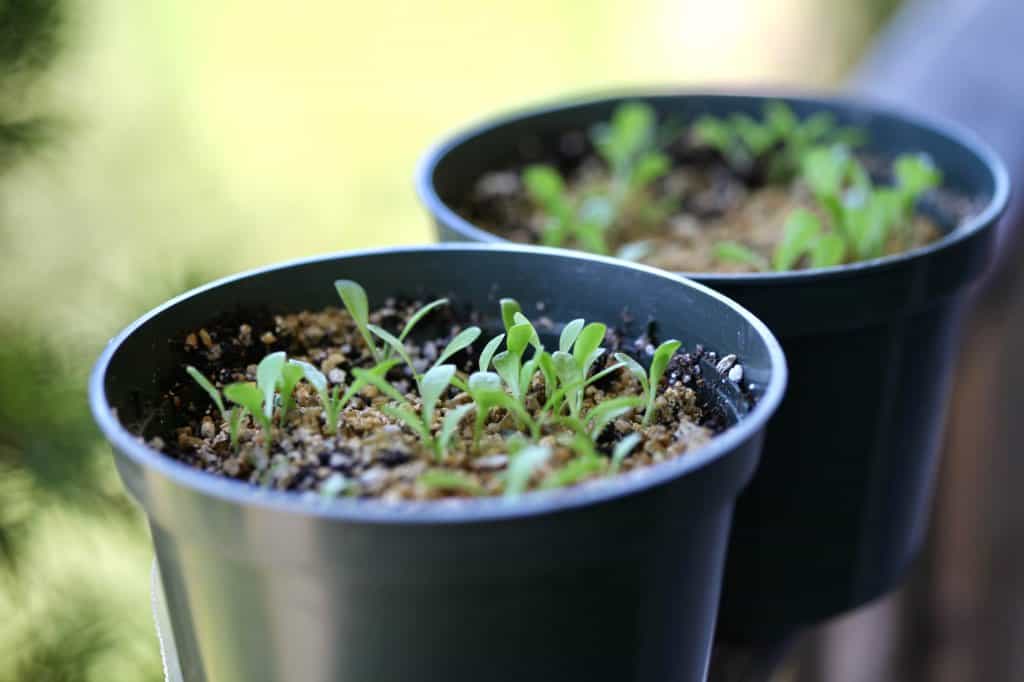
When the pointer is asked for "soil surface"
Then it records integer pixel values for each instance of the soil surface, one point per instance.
(374, 455)
(701, 202)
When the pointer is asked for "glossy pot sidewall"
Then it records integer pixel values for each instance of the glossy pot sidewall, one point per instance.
(618, 581)
(839, 505)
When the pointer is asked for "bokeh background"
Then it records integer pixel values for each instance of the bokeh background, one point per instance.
(148, 147)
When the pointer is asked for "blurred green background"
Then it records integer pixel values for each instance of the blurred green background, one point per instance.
(169, 142)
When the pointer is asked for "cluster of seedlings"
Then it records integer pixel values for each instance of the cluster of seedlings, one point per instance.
(406, 420)
(725, 193)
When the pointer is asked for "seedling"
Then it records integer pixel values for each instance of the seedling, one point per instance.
(863, 217)
(651, 379)
(329, 398)
(521, 468)
(628, 144)
(780, 141)
(250, 397)
(487, 392)
(439, 479)
(354, 297)
(567, 372)
(233, 416)
(566, 217)
(432, 385)
(621, 451)
(572, 368)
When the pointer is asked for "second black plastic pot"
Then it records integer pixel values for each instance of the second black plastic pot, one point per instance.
(839, 505)
(617, 581)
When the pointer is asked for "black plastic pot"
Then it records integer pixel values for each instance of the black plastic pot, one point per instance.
(839, 505)
(617, 581)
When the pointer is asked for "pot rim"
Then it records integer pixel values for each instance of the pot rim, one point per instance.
(966, 138)
(426, 512)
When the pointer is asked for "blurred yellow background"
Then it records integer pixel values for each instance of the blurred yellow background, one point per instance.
(202, 138)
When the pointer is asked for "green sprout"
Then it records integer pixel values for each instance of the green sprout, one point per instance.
(439, 479)
(573, 368)
(432, 386)
(250, 397)
(353, 295)
(521, 468)
(780, 140)
(332, 403)
(509, 387)
(486, 390)
(233, 416)
(628, 144)
(622, 450)
(863, 217)
(651, 379)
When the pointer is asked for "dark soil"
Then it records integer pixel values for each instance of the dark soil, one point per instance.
(373, 455)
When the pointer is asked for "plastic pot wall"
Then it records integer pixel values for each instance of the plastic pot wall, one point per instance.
(618, 581)
(839, 506)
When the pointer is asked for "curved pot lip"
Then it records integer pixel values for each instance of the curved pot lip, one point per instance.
(963, 136)
(426, 512)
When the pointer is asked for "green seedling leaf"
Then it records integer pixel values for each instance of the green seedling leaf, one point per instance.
(205, 384)
(547, 368)
(519, 318)
(799, 234)
(635, 368)
(507, 365)
(235, 417)
(569, 334)
(291, 374)
(509, 308)
(486, 391)
(449, 425)
(432, 386)
(590, 337)
(354, 297)
(268, 376)
(714, 133)
(659, 363)
(545, 187)
(488, 352)
(439, 479)
(313, 375)
(734, 252)
(576, 470)
(526, 374)
(419, 315)
(829, 250)
(521, 468)
(757, 138)
(251, 398)
(405, 414)
(328, 398)
(916, 174)
(462, 340)
(374, 379)
(380, 369)
(649, 167)
(824, 169)
(519, 336)
(818, 126)
(603, 414)
(393, 343)
(622, 450)
(780, 118)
